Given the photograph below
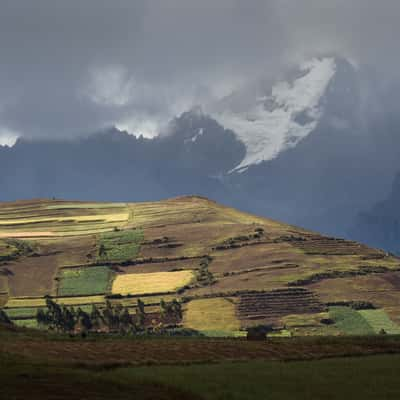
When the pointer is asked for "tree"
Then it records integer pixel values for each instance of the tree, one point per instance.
(108, 314)
(54, 315)
(41, 317)
(176, 309)
(96, 318)
(68, 320)
(4, 318)
(84, 322)
(140, 314)
(163, 308)
(259, 332)
(102, 251)
(125, 320)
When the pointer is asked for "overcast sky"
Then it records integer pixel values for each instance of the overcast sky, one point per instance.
(71, 67)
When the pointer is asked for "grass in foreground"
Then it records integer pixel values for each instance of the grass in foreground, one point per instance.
(22, 379)
(364, 378)
(367, 378)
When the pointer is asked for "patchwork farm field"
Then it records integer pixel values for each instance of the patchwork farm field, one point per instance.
(213, 317)
(84, 281)
(216, 271)
(379, 321)
(20, 302)
(119, 245)
(156, 282)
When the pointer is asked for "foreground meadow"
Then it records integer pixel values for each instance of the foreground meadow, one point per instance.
(366, 378)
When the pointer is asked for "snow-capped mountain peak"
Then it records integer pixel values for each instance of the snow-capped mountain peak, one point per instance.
(287, 113)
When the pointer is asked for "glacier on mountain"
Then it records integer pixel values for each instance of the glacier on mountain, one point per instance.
(279, 120)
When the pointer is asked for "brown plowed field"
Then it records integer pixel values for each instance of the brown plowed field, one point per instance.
(271, 306)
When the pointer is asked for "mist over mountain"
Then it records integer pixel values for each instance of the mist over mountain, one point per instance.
(300, 150)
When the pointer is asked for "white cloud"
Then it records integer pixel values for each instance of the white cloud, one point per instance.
(110, 85)
(144, 125)
(8, 137)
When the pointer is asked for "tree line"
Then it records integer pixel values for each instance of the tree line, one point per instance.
(111, 318)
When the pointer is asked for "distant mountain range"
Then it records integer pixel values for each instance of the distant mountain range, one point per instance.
(303, 149)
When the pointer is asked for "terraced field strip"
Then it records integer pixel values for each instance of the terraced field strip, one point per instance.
(96, 206)
(84, 281)
(29, 313)
(7, 250)
(150, 215)
(304, 320)
(62, 218)
(26, 316)
(176, 211)
(349, 321)
(310, 325)
(147, 300)
(27, 323)
(278, 303)
(213, 316)
(3, 299)
(156, 282)
(75, 219)
(333, 246)
(27, 302)
(22, 312)
(378, 320)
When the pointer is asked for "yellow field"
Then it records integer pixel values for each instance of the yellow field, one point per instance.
(79, 218)
(96, 206)
(58, 218)
(188, 210)
(157, 282)
(15, 302)
(216, 314)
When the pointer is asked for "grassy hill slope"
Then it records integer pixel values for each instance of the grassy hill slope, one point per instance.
(230, 270)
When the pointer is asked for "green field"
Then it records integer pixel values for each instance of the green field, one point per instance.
(378, 320)
(84, 281)
(28, 313)
(22, 312)
(120, 245)
(350, 321)
(362, 322)
(26, 323)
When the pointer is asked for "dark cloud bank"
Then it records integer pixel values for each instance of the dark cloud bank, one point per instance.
(71, 67)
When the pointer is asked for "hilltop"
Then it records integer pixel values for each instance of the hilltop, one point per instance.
(227, 269)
